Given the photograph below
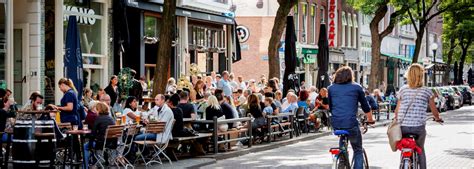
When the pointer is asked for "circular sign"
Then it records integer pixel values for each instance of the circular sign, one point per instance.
(243, 33)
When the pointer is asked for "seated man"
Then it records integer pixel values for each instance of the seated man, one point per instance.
(292, 103)
(185, 106)
(163, 114)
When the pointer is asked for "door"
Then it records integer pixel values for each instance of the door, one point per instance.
(20, 59)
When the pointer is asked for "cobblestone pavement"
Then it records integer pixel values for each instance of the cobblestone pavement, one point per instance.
(447, 146)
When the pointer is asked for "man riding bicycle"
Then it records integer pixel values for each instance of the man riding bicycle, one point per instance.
(344, 96)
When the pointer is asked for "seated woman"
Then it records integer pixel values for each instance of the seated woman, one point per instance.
(97, 138)
(130, 110)
(303, 96)
(213, 110)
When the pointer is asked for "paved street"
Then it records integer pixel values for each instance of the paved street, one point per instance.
(448, 146)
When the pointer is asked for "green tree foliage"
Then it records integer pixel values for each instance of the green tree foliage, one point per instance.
(379, 9)
(421, 12)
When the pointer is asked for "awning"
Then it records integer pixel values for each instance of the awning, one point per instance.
(156, 7)
(400, 57)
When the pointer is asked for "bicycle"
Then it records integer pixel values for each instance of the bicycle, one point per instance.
(409, 153)
(341, 154)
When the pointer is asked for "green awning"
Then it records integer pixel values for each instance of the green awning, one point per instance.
(401, 57)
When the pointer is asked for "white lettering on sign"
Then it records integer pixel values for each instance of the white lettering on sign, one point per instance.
(82, 16)
(332, 23)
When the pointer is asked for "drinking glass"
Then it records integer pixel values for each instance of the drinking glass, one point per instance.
(75, 127)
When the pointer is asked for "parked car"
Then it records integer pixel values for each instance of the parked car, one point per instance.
(452, 100)
(467, 94)
(458, 92)
(440, 101)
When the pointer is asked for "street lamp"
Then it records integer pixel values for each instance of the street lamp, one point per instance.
(434, 47)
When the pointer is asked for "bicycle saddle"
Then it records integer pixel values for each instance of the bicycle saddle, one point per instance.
(414, 136)
(341, 132)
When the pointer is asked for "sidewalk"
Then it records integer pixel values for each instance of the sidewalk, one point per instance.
(197, 162)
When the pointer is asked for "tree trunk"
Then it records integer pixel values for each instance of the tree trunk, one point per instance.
(461, 62)
(163, 59)
(277, 31)
(452, 45)
(376, 42)
(418, 41)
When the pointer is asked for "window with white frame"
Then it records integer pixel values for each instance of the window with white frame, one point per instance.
(304, 26)
(349, 30)
(321, 13)
(296, 19)
(355, 34)
(344, 33)
(313, 23)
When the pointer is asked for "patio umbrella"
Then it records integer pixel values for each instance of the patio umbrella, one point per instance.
(238, 56)
(323, 58)
(455, 70)
(73, 57)
(289, 77)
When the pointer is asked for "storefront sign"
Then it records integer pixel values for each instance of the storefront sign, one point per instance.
(243, 33)
(332, 23)
(82, 13)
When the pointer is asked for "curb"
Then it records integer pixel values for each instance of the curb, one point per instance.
(272, 145)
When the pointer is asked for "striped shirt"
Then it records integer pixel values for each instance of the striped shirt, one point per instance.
(415, 115)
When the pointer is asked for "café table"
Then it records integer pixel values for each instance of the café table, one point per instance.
(81, 134)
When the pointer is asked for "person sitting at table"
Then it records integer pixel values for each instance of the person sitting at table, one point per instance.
(197, 94)
(213, 110)
(226, 108)
(163, 114)
(185, 106)
(372, 103)
(92, 113)
(378, 96)
(97, 137)
(178, 127)
(130, 110)
(4, 114)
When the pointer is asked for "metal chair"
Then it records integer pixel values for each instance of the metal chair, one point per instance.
(113, 133)
(301, 121)
(158, 147)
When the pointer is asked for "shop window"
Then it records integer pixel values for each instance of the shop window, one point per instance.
(321, 13)
(93, 38)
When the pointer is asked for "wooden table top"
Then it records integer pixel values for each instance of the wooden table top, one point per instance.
(77, 132)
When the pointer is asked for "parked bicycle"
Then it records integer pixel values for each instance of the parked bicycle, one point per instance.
(410, 151)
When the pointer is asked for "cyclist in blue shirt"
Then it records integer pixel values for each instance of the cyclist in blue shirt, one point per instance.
(344, 96)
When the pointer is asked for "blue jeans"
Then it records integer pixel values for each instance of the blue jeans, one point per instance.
(87, 153)
(355, 138)
(148, 136)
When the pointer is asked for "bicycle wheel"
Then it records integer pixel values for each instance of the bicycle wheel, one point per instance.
(405, 163)
(416, 163)
(342, 162)
(365, 161)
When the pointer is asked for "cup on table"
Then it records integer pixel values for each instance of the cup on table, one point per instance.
(75, 127)
(85, 127)
(138, 119)
(124, 118)
(118, 121)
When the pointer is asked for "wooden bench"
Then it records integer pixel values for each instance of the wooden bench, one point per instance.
(273, 129)
(216, 133)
